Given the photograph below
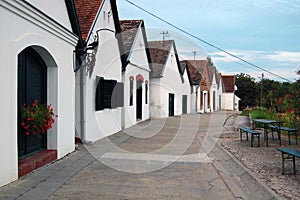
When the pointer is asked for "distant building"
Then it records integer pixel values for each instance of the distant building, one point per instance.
(230, 100)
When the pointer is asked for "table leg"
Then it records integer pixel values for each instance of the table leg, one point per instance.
(282, 158)
(266, 134)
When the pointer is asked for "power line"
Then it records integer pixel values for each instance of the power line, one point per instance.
(205, 42)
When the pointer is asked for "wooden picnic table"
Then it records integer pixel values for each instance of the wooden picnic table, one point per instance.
(265, 123)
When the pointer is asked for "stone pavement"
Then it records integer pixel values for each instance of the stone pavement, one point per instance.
(173, 158)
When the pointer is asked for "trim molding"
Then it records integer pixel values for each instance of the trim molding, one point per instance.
(28, 12)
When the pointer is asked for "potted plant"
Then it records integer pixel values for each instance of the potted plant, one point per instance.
(37, 118)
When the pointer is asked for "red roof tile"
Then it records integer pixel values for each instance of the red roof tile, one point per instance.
(86, 12)
(228, 81)
(195, 76)
(128, 31)
(159, 51)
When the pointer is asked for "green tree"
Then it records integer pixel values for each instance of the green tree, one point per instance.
(246, 90)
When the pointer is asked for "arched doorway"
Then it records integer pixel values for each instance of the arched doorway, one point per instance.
(139, 99)
(32, 85)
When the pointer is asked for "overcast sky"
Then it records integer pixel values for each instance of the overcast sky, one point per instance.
(263, 32)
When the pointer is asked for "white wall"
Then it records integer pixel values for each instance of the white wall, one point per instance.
(228, 101)
(55, 45)
(106, 122)
(56, 9)
(220, 94)
(213, 89)
(186, 90)
(195, 99)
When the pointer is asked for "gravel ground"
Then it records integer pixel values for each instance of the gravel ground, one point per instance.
(264, 161)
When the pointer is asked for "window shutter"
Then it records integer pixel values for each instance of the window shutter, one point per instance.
(118, 96)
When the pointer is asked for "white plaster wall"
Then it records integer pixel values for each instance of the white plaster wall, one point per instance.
(155, 109)
(220, 93)
(130, 111)
(108, 65)
(195, 99)
(56, 9)
(213, 88)
(228, 101)
(186, 90)
(59, 44)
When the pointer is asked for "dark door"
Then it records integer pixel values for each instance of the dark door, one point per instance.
(139, 99)
(32, 80)
(184, 104)
(214, 100)
(171, 104)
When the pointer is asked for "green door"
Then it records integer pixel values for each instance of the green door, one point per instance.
(32, 84)
(184, 104)
(171, 104)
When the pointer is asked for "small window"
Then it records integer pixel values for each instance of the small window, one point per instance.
(131, 93)
(146, 93)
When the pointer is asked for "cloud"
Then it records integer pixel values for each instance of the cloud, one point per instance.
(285, 56)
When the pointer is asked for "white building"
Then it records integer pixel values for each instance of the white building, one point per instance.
(165, 80)
(136, 74)
(36, 64)
(230, 100)
(99, 85)
(220, 90)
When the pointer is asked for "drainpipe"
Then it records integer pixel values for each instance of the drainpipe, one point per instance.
(82, 101)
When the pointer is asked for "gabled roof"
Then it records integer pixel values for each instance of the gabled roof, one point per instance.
(159, 51)
(195, 76)
(86, 11)
(129, 30)
(228, 81)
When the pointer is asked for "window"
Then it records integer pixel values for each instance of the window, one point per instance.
(131, 93)
(109, 94)
(146, 92)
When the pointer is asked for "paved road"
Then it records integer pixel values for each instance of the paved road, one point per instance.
(173, 158)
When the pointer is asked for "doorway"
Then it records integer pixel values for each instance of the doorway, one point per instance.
(139, 99)
(171, 104)
(32, 85)
(184, 104)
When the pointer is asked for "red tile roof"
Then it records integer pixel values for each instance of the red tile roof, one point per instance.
(195, 76)
(159, 51)
(128, 31)
(228, 81)
(86, 12)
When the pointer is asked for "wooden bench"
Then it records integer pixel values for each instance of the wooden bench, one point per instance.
(253, 133)
(291, 131)
(291, 154)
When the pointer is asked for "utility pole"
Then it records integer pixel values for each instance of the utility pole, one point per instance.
(165, 34)
(194, 52)
(261, 89)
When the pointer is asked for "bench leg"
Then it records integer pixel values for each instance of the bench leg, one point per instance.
(288, 157)
(258, 140)
(282, 162)
(294, 165)
(289, 136)
(279, 138)
(252, 138)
